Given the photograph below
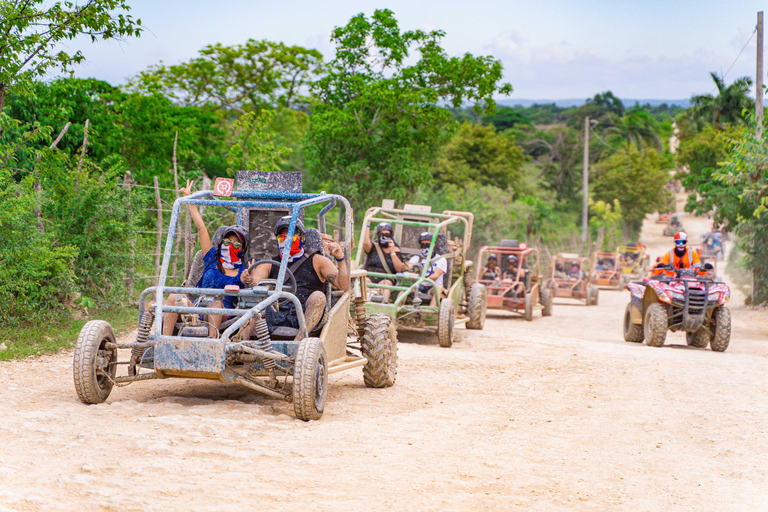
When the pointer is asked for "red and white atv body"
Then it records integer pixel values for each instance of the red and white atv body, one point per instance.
(681, 303)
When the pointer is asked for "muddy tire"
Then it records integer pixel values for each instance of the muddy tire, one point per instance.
(655, 325)
(632, 332)
(721, 330)
(547, 300)
(445, 322)
(698, 339)
(528, 305)
(379, 347)
(310, 380)
(477, 306)
(94, 366)
(592, 295)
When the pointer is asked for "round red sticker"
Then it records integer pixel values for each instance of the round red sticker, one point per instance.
(223, 187)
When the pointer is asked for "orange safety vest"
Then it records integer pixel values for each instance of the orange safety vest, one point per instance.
(688, 260)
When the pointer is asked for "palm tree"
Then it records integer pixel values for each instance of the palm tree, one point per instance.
(728, 105)
(637, 127)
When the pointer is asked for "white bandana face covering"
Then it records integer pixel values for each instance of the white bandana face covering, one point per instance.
(425, 252)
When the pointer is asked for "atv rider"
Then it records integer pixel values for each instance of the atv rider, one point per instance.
(382, 255)
(491, 271)
(438, 266)
(223, 266)
(311, 273)
(680, 257)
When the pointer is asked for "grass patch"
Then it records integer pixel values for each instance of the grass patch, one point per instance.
(48, 338)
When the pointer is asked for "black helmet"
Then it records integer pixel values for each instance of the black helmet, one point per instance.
(384, 225)
(426, 235)
(285, 222)
(238, 230)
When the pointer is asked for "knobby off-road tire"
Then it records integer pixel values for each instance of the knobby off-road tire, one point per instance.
(698, 339)
(445, 321)
(593, 293)
(547, 300)
(379, 347)
(477, 306)
(310, 380)
(721, 331)
(632, 332)
(655, 325)
(528, 305)
(92, 355)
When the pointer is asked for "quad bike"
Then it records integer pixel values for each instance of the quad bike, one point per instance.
(664, 217)
(673, 227)
(633, 262)
(607, 273)
(712, 246)
(519, 289)
(562, 284)
(275, 363)
(461, 302)
(686, 302)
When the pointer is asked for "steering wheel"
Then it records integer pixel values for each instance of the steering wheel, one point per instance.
(290, 280)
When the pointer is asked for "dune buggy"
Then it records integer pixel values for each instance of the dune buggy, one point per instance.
(673, 227)
(273, 363)
(607, 272)
(519, 290)
(712, 246)
(461, 302)
(686, 302)
(567, 284)
(633, 262)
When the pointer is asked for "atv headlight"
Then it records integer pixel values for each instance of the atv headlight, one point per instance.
(719, 297)
(663, 297)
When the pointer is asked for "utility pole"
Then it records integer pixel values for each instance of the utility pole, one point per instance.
(585, 176)
(759, 77)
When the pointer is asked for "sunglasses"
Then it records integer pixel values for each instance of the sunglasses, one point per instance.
(282, 236)
(680, 242)
(424, 246)
(226, 242)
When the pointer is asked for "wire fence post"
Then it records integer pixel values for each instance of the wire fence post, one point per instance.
(159, 245)
(128, 185)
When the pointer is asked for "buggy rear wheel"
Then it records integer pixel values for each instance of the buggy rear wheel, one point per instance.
(632, 332)
(721, 331)
(310, 380)
(546, 299)
(592, 295)
(379, 347)
(94, 365)
(655, 325)
(445, 321)
(477, 306)
(528, 304)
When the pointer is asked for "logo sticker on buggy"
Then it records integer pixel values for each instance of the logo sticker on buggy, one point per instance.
(223, 187)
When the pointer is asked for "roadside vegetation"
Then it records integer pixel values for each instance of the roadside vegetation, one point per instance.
(387, 118)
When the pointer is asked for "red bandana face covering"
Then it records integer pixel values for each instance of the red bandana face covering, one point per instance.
(297, 250)
(230, 257)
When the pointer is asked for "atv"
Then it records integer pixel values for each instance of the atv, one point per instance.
(563, 284)
(519, 288)
(461, 302)
(673, 227)
(284, 363)
(686, 302)
(712, 246)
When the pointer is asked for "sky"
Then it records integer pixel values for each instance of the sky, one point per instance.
(550, 49)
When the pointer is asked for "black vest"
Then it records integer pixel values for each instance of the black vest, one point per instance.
(307, 280)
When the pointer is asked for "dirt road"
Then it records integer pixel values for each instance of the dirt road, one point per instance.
(555, 414)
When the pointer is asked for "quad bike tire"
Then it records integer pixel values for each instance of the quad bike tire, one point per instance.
(310, 380)
(632, 332)
(379, 347)
(91, 355)
(655, 325)
(528, 305)
(477, 306)
(700, 338)
(547, 299)
(721, 330)
(445, 323)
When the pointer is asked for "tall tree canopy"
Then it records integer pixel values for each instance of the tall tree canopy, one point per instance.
(728, 105)
(379, 120)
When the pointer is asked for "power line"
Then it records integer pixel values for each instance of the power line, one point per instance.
(737, 57)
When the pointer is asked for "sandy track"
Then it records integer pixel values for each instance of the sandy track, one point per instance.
(556, 414)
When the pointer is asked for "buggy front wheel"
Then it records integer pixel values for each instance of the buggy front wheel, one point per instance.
(379, 347)
(310, 380)
(94, 365)
(528, 305)
(445, 320)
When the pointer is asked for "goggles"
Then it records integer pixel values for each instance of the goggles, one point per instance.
(226, 243)
(387, 234)
(282, 236)
(681, 242)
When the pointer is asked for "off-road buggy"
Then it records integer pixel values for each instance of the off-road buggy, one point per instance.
(563, 284)
(673, 227)
(712, 246)
(664, 217)
(607, 272)
(272, 363)
(520, 288)
(686, 302)
(633, 262)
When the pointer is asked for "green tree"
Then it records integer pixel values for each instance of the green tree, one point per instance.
(727, 106)
(243, 78)
(478, 154)
(379, 121)
(636, 128)
(608, 101)
(33, 32)
(254, 147)
(506, 117)
(605, 222)
(636, 180)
